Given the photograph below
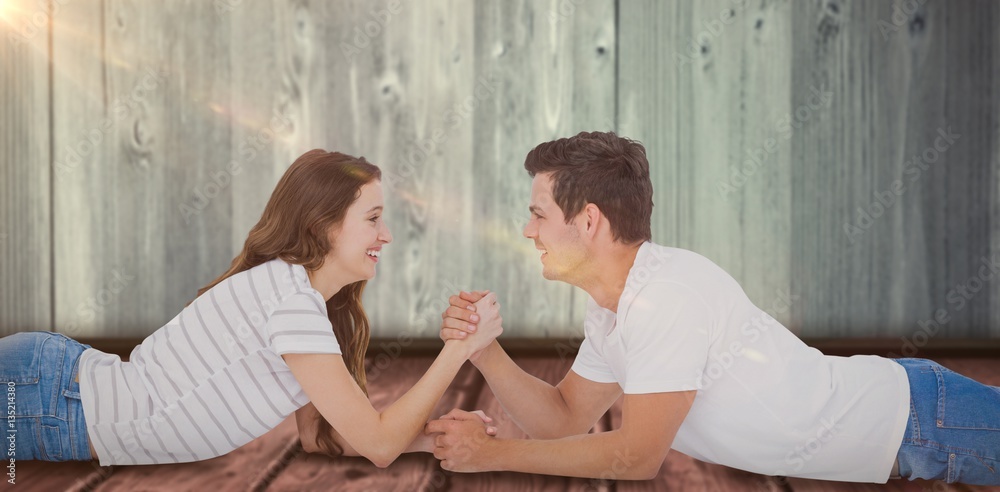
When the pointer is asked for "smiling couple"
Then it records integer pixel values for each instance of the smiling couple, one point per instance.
(285, 326)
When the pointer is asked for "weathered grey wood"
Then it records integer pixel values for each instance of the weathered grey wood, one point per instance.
(705, 85)
(448, 98)
(272, 49)
(897, 79)
(144, 84)
(25, 172)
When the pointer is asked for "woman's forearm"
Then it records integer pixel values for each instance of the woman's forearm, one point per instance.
(403, 421)
(423, 443)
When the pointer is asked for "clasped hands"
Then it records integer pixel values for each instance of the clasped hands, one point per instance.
(463, 440)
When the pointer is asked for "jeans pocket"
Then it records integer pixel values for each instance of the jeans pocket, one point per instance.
(965, 403)
(52, 443)
(973, 470)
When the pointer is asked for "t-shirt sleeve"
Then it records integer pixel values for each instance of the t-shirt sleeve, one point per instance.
(666, 335)
(300, 326)
(590, 365)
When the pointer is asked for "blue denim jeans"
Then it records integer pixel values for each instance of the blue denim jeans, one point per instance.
(37, 370)
(953, 431)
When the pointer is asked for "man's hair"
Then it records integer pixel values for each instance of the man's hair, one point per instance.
(604, 169)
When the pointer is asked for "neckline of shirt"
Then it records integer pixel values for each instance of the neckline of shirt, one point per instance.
(300, 274)
(628, 294)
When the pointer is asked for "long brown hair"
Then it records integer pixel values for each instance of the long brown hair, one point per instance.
(311, 197)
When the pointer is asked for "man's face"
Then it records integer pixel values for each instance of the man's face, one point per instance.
(562, 251)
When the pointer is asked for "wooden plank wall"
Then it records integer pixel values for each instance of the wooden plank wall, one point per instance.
(138, 159)
(25, 179)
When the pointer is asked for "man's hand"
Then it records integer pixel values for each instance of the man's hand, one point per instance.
(463, 441)
(425, 442)
(461, 319)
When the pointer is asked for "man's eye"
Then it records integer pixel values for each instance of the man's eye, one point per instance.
(373, 219)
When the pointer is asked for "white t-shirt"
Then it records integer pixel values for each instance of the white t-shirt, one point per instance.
(212, 379)
(767, 402)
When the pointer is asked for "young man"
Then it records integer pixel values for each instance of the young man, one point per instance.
(704, 371)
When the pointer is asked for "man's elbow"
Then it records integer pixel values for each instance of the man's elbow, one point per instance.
(645, 469)
(566, 428)
(649, 473)
(547, 434)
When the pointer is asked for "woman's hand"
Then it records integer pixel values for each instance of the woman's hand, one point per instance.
(485, 313)
(460, 319)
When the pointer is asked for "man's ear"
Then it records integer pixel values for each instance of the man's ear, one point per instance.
(592, 218)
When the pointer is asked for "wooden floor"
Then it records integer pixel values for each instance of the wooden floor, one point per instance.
(275, 462)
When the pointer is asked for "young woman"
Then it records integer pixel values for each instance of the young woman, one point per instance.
(282, 331)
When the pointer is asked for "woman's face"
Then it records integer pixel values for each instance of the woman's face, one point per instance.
(358, 243)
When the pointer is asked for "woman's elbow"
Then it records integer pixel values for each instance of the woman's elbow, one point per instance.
(382, 458)
(308, 443)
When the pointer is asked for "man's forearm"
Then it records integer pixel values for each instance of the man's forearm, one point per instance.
(606, 455)
(535, 406)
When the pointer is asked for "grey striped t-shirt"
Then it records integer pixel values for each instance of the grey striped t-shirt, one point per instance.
(212, 379)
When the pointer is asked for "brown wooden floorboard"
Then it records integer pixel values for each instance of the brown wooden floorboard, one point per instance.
(275, 459)
(45, 476)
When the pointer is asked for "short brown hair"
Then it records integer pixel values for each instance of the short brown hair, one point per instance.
(604, 169)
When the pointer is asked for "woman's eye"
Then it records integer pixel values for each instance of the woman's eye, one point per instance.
(373, 219)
